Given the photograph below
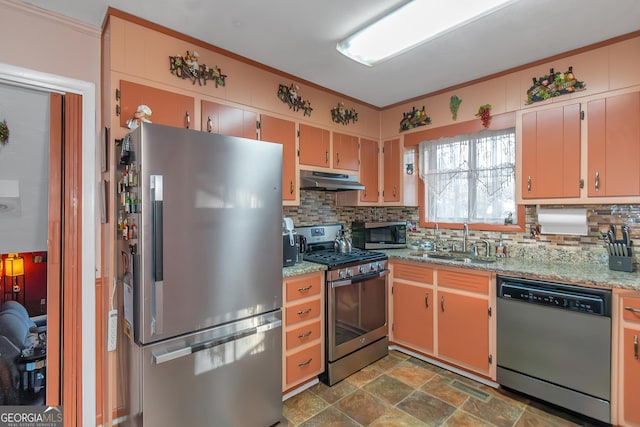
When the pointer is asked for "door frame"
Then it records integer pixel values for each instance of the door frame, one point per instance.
(47, 82)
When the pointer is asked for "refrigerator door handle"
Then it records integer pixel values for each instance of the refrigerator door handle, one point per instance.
(157, 247)
(186, 351)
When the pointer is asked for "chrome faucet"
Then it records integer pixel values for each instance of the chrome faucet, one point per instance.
(487, 246)
(435, 238)
(465, 236)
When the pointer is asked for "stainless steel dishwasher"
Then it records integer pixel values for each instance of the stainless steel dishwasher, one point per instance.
(554, 343)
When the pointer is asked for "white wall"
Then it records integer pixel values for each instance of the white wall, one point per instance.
(24, 160)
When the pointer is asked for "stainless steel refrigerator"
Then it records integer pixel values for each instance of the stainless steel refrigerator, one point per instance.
(200, 269)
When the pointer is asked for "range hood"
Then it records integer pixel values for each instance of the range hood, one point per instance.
(326, 181)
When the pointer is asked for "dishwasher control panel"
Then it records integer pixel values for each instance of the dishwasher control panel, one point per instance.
(567, 299)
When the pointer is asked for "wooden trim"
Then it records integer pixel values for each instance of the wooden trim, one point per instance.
(72, 397)
(54, 250)
(519, 68)
(175, 34)
(499, 121)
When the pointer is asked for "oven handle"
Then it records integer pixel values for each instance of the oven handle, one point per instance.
(347, 282)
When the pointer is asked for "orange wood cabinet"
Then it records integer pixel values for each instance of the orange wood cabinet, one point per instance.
(369, 170)
(413, 302)
(444, 313)
(283, 132)
(614, 146)
(392, 170)
(227, 120)
(551, 153)
(167, 108)
(345, 152)
(629, 360)
(303, 330)
(464, 318)
(315, 146)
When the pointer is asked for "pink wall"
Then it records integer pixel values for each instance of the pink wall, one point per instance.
(49, 43)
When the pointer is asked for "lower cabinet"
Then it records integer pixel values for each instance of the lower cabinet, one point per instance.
(303, 330)
(444, 313)
(413, 301)
(629, 360)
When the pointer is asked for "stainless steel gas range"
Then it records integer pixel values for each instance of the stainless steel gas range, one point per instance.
(356, 302)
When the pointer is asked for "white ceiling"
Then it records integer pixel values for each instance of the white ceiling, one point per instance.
(299, 37)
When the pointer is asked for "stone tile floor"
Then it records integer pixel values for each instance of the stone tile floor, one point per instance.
(400, 390)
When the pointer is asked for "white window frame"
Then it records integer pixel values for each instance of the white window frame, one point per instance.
(452, 172)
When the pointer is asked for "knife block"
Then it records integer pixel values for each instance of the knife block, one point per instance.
(620, 263)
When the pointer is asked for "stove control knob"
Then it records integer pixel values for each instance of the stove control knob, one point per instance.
(372, 266)
(361, 269)
(379, 266)
(341, 274)
(349, 272)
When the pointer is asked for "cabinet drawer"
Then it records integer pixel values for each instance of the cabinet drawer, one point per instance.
(631, 308)
(302, 335)
(303, 364)
(464, 281)
(299, 312)
(413, 272)
(302, 287)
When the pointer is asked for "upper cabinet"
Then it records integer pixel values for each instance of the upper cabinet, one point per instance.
(392, 162)
(345, 151)
(227, 120)
(614, 146)
(315, 146)
(551, 153)
(282, 131)
(369, 170)
(168, 108)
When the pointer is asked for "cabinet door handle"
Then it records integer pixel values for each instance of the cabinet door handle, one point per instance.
(302, 313)
(633, 310)
(635, 347)
(442, 303)
(426, 299)
(209, 124)
(326, 157)
(188, 119)
(291, 187)
(306, 334)
(529, 184)
(597, 181)
(305, 363)
(395, 191)
(305, 289)
(338, 157)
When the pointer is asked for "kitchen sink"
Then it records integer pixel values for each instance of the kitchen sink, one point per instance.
(454, 257)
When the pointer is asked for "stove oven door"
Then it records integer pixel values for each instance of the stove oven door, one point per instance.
(356, 313)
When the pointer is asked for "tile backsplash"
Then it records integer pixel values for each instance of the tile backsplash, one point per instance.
(318, 207)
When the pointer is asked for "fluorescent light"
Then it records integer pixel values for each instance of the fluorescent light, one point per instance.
(412, 24)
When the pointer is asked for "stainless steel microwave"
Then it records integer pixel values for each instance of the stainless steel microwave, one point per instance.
(379, 235)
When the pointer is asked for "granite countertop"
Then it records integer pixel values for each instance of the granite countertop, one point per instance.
(303, 267)
(576, 273)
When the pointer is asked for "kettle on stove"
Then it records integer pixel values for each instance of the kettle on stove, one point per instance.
(342, 244)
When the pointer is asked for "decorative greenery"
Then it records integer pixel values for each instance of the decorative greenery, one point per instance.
(414, 118)
(289, 95)
(484, 112)
(4, 132)
(454, 104)
(340, 114)
(187, 67)
(553, 84)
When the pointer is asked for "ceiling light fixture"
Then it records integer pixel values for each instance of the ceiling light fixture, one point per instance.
(412, 24)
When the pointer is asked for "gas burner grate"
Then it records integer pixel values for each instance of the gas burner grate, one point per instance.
(332, 258)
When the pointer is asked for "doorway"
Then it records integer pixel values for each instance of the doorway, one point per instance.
(75, 232)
